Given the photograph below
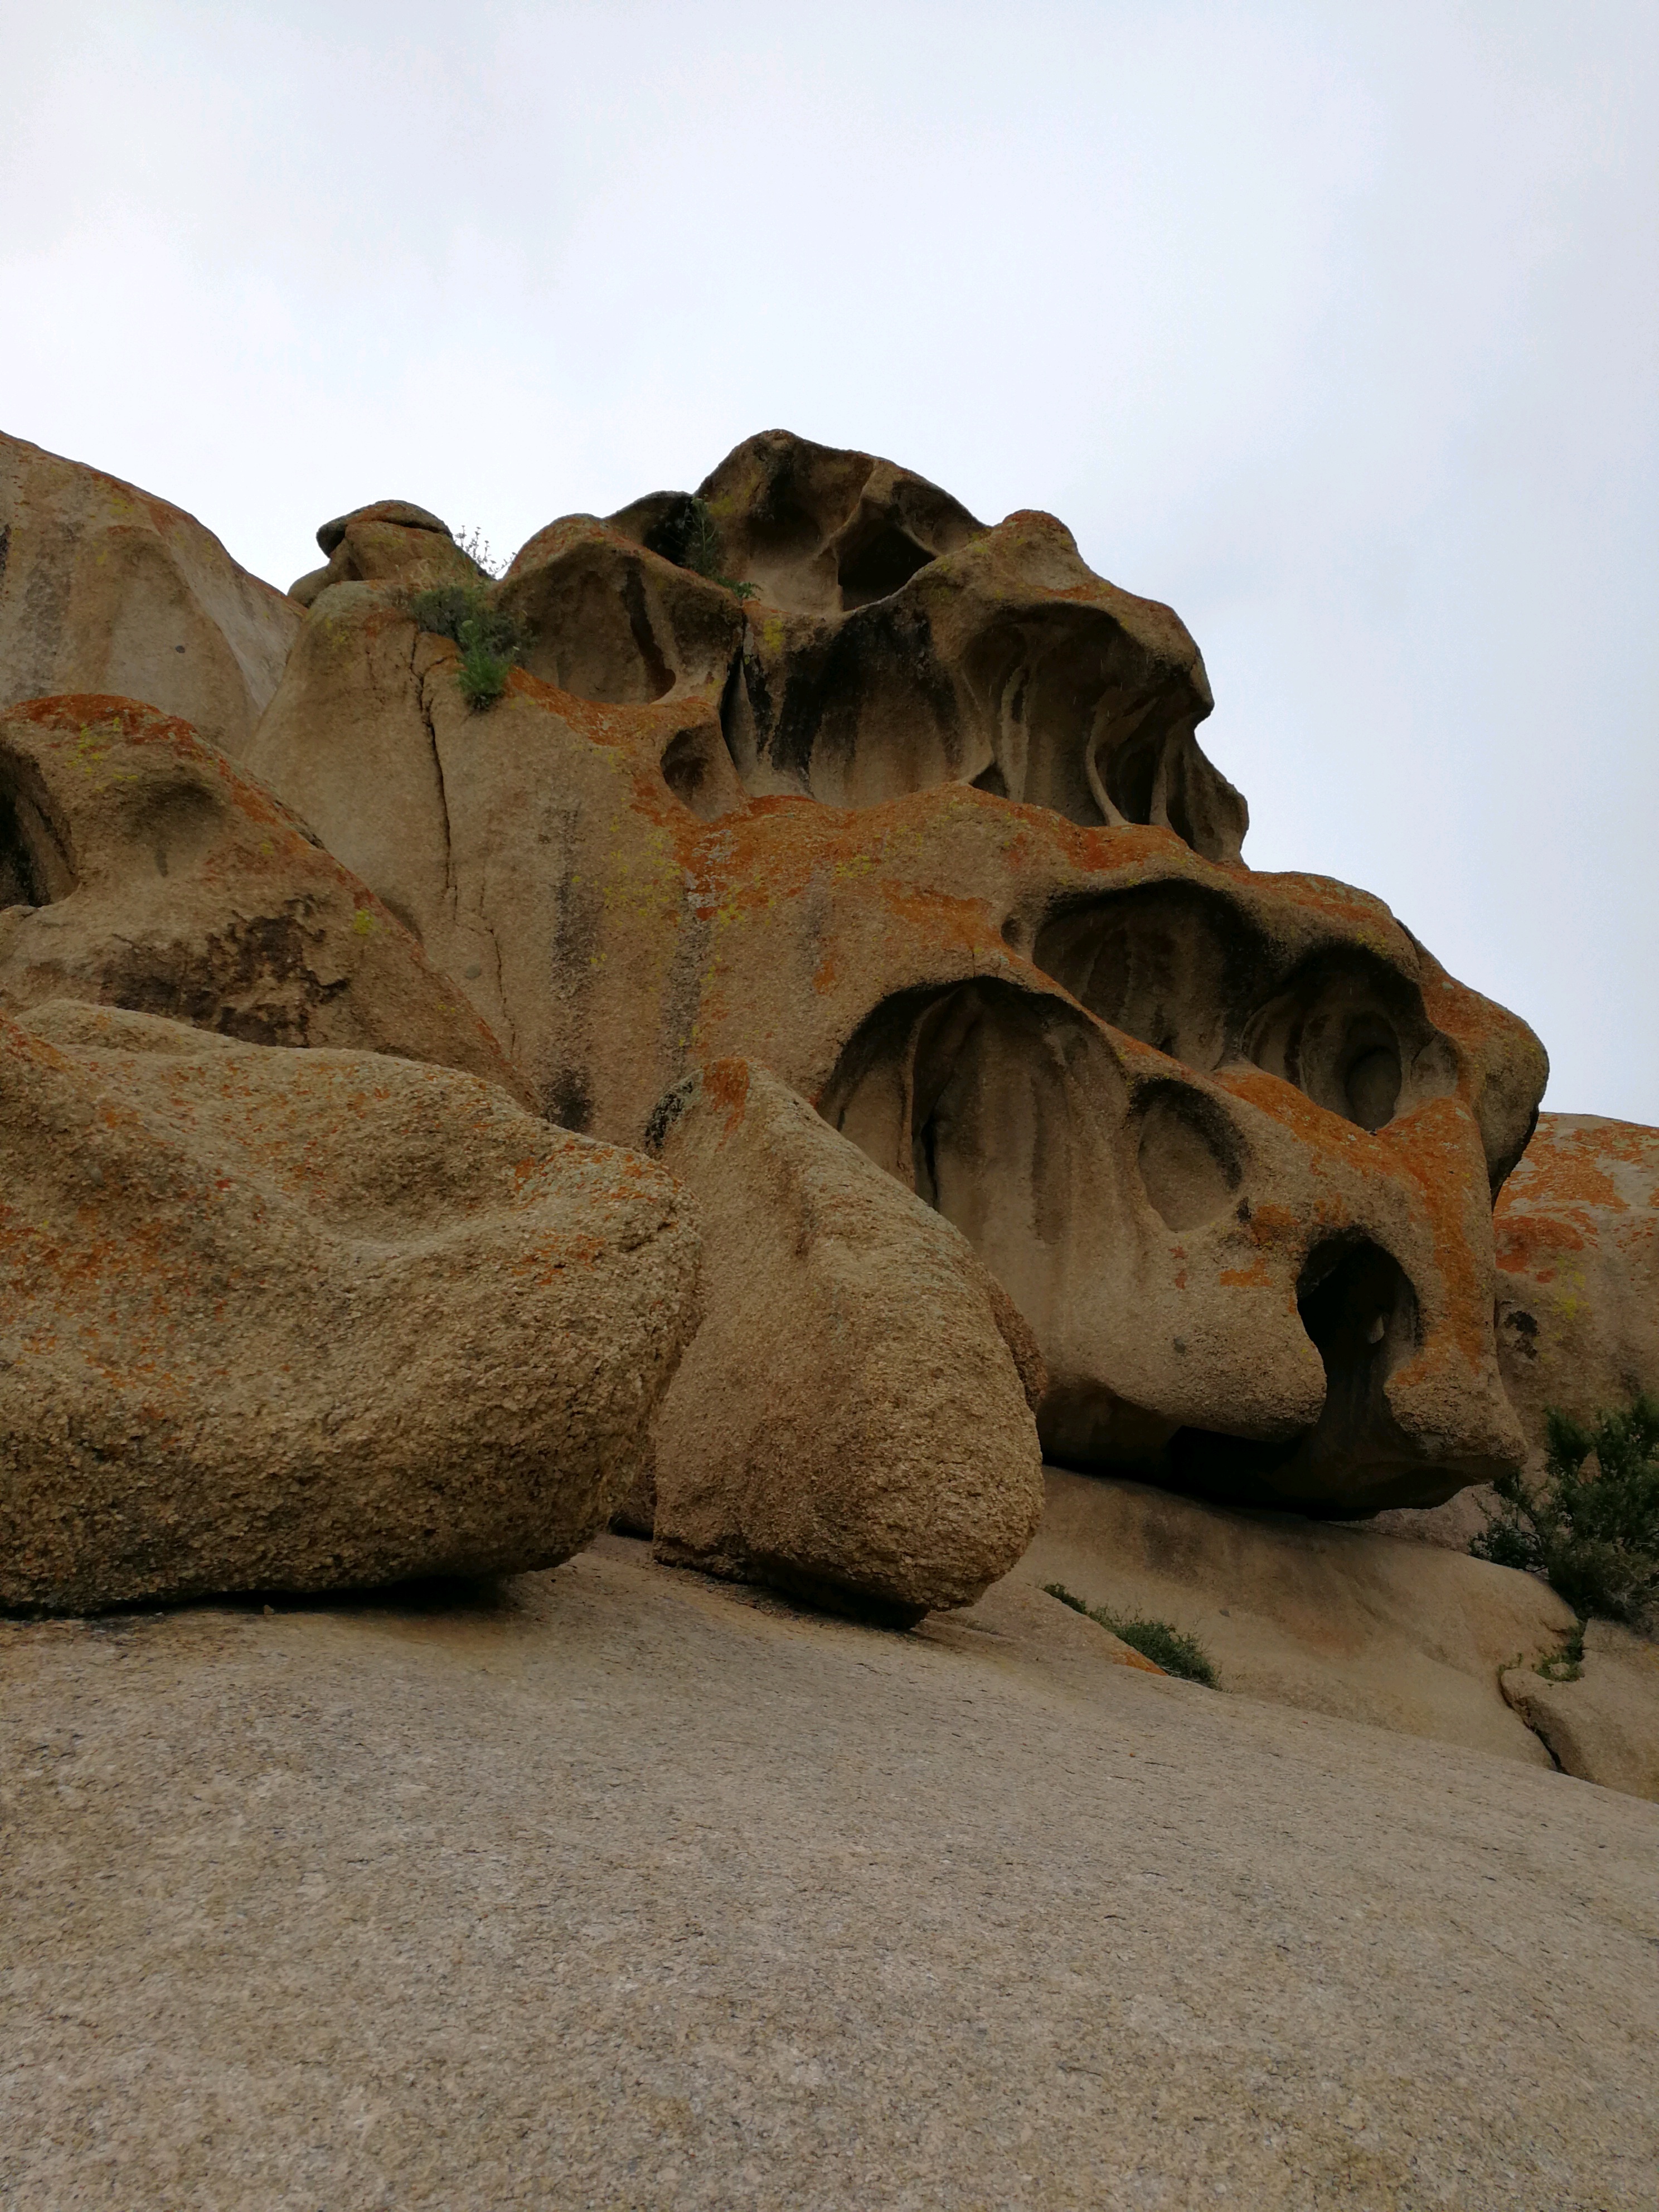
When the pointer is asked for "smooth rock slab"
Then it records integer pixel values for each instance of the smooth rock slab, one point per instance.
(1336, 1620)
(626, 1890)
(306, 1319)
(1604, 1726)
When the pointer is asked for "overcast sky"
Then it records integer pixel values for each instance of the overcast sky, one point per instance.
(1335, 325)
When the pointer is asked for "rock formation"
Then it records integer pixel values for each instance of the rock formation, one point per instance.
(853, 1419)
(1577, 1231)
(105, 588)
(814, 771)
(1228, 1140)
(1599, 1718)
(1341, 1621)
(391, 542)
(138, 868)
(287, 1320)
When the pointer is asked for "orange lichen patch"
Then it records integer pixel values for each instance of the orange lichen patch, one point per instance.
(1560, 1174)
(96, 713)
(1324, 1131)
(959, 920)
(726, 1082)
(1252, 1278)
(1524, 1243)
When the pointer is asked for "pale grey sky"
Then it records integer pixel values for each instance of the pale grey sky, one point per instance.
(1335, 325)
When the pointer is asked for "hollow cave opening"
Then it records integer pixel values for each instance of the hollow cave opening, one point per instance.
(1357, 1305)
(875, 565)
(20, 877)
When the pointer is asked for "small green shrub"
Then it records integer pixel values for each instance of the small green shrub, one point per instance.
(1567, 1664)
(1156, 1640)
(1590, 1525)
(699, 551)
(491, 637)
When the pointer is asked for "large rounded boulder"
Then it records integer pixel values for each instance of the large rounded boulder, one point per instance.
(302, 1321)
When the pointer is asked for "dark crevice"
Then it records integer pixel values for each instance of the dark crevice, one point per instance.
(1360, 1313)
(20, 877)
(424, 707)
(659, 675)
(875, 564)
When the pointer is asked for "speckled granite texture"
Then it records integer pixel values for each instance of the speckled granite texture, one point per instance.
(620, 1888)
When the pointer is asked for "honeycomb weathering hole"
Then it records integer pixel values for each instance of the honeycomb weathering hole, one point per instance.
(34, 869)
(19, 884)
(1372, 1085)
(1357, 1305)
(875, 564)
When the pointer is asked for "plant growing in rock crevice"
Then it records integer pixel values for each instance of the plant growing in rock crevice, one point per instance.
(1591, 1524)
(475, 546)
(490, 636)
(699, 550)
(1166, 1647)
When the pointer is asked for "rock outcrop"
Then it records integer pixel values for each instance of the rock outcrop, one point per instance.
(815, 770)
(1578, 1231)
(105, 588)
(305, 1319)
(1341, 1621)
(901, 644)
(138, 868)
(391, 542)
(1228, 1140)
(853, 1421)
(614, 1888)
(1602, 1724)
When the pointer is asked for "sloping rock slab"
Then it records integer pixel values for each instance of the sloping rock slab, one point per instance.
(1335, 1620)
(139, 868)
(298, 1320)
(850, 1423)
(620, 1889)
(1604, 1726)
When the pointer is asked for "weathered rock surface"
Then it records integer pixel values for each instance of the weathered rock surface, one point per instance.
(301, 1319)
(104, 588)
(1228, 1140)
(619, 1890)
(1604, 1727)
(1331, 1621)
(897, 644)
(1578, 1233)
(138, 868)
(854, 1420)
(391, 542)
(607, 619)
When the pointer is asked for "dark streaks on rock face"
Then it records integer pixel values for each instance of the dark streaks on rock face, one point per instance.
(254, 980)
(565, 1100)
(19, 879)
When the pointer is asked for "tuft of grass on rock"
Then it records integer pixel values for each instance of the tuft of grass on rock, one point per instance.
(1591, 1524)
(1166, 1647)
(491, 637)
